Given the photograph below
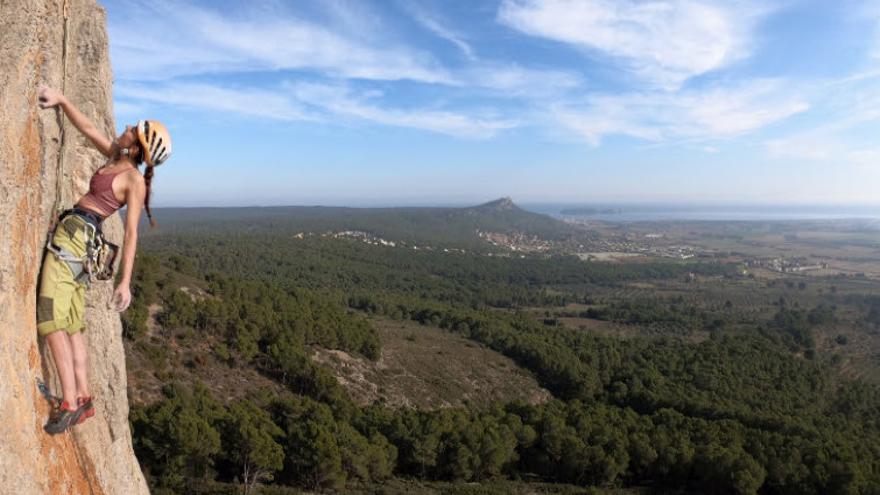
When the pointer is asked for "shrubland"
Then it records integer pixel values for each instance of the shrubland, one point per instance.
(750, 407)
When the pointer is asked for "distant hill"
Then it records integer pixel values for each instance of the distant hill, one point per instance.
(434, 225)
(502, 204)
(503, 215)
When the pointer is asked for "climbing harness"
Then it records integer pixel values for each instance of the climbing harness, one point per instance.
(100, 255)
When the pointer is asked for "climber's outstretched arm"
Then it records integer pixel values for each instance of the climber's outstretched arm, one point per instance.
(49, 98)
(134, 202)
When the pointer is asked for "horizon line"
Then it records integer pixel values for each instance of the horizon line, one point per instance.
(465, 204)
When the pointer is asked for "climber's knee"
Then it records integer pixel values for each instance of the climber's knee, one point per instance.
(73, 330)
(51, 327)
(50, 318)
(77, 310)
(47, 328)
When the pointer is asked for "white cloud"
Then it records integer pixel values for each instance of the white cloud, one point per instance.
(816, 147)
(713, 113)
(847, 107)
(192, 41)
(253, 102)
(432, 24)
(341, 101)
(807, 146)
(664, 41)
(313, 103)
(187, 40)
(512, 80)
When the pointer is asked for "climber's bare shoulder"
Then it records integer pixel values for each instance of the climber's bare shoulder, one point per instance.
(135, 192)
(135, 188)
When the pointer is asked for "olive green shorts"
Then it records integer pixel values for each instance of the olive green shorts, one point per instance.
(61, 300)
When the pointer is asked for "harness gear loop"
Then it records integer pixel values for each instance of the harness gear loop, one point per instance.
(98, 261)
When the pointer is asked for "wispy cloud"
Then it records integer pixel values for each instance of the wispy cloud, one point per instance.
(244, 101)
(342, 101)
(188, 40)
(359, 70)
(514, 81)
(665, 42)
(704, 114)
(314, 103)
(433, 24)
(828, 148)
(850, 107)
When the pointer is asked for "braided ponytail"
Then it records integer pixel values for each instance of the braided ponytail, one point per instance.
(148, 178)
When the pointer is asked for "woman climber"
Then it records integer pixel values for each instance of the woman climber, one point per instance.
(74, 248)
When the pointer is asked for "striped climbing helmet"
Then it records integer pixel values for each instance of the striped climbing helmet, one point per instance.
(155, 140)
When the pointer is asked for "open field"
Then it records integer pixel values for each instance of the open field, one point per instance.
(425, 367)
(847, 247)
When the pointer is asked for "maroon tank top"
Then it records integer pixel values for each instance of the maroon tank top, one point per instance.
(101, 192)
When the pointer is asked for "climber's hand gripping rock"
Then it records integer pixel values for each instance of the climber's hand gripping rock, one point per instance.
(48, 97)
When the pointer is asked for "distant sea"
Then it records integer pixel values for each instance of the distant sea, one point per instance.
(647, 213)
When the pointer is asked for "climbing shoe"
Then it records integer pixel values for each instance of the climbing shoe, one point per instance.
(62, 417)
(85, 403)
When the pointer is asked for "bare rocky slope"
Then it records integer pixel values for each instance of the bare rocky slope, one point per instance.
(64, 44)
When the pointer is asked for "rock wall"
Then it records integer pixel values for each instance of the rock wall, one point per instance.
(95, 457)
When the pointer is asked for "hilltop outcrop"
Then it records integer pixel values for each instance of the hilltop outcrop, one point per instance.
(62, 43)
(501, 204)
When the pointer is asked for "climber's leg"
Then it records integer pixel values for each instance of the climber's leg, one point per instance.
(80, 364)
(80, 367)
(60, 303)
(59, 342)
(61, 300)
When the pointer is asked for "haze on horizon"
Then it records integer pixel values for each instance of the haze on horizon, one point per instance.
(556, 101)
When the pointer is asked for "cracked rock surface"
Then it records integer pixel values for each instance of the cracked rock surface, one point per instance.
(95, 457)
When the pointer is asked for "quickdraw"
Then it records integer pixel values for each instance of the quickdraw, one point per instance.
(100, 255)
(98, 262)
(53, 400)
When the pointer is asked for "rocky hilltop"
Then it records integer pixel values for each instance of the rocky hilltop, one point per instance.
(502, 204)
(64, 44)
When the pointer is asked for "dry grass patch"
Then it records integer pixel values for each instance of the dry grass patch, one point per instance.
(426, 367)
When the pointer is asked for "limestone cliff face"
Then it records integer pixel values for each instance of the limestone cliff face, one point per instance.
(95, 457)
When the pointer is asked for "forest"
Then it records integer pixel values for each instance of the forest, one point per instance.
(707, 397)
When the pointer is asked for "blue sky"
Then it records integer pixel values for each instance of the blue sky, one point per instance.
(392, 102)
